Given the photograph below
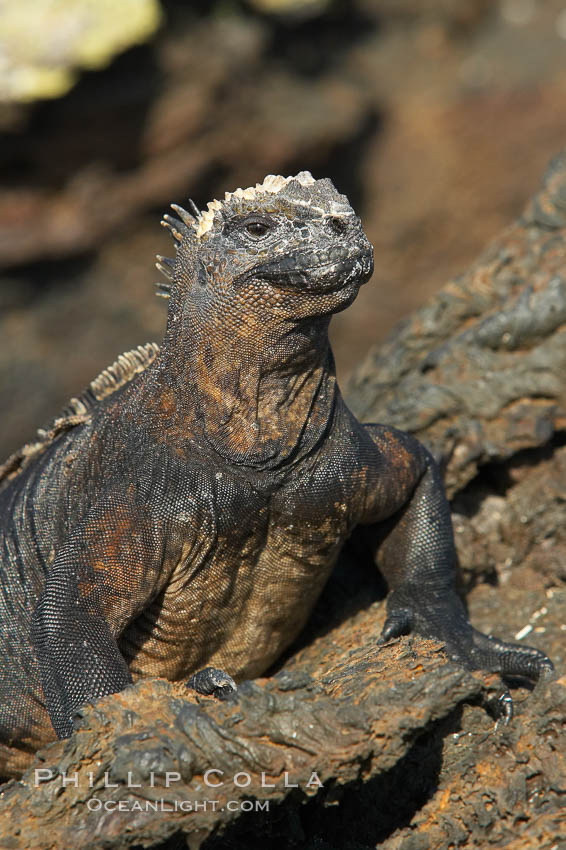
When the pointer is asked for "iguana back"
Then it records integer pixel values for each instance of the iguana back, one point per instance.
(28, 480)
(80, 408)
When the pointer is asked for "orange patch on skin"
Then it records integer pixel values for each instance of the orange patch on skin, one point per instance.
(113, 532)
(398, 456)
(167, 401)
(86, 589)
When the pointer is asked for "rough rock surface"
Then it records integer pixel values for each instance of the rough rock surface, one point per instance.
(288, 724)
(408, 756)
(478, 372)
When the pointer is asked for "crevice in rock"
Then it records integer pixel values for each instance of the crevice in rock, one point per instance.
(359, 815)
(495, 477)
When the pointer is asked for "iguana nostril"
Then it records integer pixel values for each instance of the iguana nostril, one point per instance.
(336, 254)
(337, 225)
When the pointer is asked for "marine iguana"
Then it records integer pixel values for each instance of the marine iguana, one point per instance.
(185, 512)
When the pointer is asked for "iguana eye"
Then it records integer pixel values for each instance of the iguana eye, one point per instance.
(257, 229)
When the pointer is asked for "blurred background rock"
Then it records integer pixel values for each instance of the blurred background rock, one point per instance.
(436, 118)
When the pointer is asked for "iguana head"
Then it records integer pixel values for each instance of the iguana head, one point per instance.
(288, 248)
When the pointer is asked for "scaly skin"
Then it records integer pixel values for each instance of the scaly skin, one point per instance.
(191, 517)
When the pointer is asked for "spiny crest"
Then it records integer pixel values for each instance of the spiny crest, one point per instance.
(122, 371)
(79, 409)
(165, 265)
(196, 224)
(272, 184)
(185, 225)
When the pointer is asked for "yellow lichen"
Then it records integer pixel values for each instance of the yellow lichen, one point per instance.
(44, 43)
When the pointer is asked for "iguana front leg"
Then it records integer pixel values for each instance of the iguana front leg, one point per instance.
(418, 559)
(100, 579)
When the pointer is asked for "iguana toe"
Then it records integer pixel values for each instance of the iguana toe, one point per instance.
(213, 682)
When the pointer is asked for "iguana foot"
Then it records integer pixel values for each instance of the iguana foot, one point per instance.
(443, 617)
(510, 659)
(213, 682)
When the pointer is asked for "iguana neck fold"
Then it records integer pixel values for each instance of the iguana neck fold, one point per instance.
(260, 393)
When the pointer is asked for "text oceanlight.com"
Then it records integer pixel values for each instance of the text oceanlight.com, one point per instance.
(96, 805)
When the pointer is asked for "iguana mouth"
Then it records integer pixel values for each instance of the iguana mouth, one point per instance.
(318, 271)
